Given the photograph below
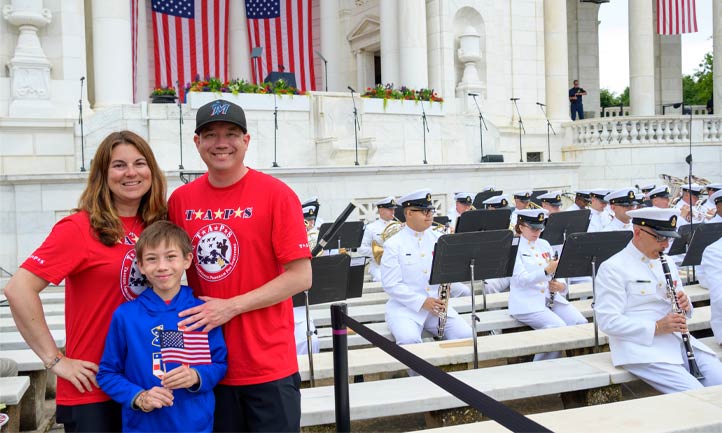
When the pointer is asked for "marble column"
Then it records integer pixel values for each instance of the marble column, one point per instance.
(388, 18)
(717, 52)
(112, 53)
(413, 68)
(238, 44)
(330, 47)
(641, 58)
(556, 63)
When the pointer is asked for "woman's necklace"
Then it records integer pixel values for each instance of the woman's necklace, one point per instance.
(131, 237)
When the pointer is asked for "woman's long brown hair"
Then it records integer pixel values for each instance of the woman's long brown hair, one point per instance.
(97, 199)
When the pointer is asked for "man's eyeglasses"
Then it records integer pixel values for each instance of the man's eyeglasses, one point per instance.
(426, 212)
(658, 238)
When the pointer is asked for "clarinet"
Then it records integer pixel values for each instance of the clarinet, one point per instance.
(693, 368)
(550, 301)
(443, 297)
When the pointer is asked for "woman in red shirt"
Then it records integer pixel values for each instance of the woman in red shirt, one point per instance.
(92, 250)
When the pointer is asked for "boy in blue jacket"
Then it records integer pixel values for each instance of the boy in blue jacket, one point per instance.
(162, 376)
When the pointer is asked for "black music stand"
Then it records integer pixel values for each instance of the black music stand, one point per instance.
(399, 214)
(483, 220)
(349, 236)
(561, 224)
(443, 220)
(330, 276)
(457, 256)
(703, 236)
(480, 197)
(356, 274)
(535, 194)
(583, 253)
(679, 245)
(288, 77)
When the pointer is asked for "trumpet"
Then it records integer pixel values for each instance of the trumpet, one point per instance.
(533, 205)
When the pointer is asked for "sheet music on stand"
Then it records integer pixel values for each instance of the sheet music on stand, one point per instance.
(704, 235)
(467, 257)
(561, 224)
(350, 235)
(482, 220)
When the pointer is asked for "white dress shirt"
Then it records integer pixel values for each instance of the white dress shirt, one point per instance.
(529, 286)
(711, 278)
(616, 225)
(372, 232)
(598, 220)
(631, 295)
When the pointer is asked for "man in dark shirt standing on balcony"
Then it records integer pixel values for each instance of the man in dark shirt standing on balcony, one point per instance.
(575, 97)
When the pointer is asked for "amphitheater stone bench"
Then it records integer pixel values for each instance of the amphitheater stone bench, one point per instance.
(508, 382)
(491, 347)
(12, 390)
(691, 411)
(376, 312)
(7, 324)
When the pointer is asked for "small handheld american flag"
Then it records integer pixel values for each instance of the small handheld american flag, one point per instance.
(184, 347)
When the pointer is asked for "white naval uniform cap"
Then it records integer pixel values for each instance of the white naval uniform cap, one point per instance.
(464, 197)
(309, 201)
(624, 196)
(496, 202)
(388, 202)
(523, 195)
(660, 191)
(716, 197)
(696, 189)
(488, 188)
(647, 188)
(661, 221)
(554, 198)
(713, 186)
(420, 199)
(600, 193)
(534, 218)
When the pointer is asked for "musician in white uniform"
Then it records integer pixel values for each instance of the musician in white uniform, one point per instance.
(599, 217)
(716, 200)
(634, 311)
(708, 208)
(622, 201)
(660, 197)
(372, 232)
(646, 189)
(521, 202)
(413, 304)
(312, 218)
(532, 283)
(581, 201)
(496, 202)
(463, 202)
(551, 201)
(711, 266)
(689, 199)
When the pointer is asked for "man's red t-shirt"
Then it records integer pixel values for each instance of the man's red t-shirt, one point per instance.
(97, 279)
(242, 236)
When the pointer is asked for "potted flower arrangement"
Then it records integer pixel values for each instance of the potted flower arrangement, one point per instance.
(246, 94)
(387, 92)
(163, 95)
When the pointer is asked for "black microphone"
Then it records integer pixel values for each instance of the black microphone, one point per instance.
(351, 89)
(514, 99)
(539, 103)
(82, 78)
(473, 94)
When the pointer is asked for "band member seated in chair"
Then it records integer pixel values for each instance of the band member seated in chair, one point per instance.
(551, 201)
(414, 304)
(536, 298)
(635, 310)
(373, 232)
(581, 201)
(622, 201)
(599, 217)
(521, 202)
(463, 203)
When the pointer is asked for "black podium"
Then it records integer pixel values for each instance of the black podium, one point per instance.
(583, 253)
(482, 220)
(468, 256)
(288, 77)
(330, 283)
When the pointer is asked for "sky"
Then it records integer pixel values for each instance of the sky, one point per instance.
(614, 43)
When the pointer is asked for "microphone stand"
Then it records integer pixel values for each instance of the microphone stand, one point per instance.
(425, 124)
(521, 128)
(481, 122)
(689, 183)
(549, 125)
(356, 126)
(80, 121)
(275, 129)
(180, 126)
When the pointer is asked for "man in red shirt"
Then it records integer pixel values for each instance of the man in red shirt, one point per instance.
(250, 256)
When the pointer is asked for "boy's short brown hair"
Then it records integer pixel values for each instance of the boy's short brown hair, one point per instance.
(163, 232)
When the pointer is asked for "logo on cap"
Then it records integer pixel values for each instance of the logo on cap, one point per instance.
(428, 197)
(219, 108)
(559, 197)
(504, 202)
(541, 217)
(392, 202)
(631, 194)
(673, 221)
(310, 211)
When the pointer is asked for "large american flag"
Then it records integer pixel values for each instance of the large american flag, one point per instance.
(191, 39)
(283, 29)
(676, 16)
(183, 347)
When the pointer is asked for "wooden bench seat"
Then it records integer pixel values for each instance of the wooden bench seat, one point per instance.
(12, 390)
(491, 347)
(508, 382)
(691, 411)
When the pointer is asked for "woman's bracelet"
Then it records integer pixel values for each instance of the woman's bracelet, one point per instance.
(54, 362)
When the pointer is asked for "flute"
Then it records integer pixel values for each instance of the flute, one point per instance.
(693, 368)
